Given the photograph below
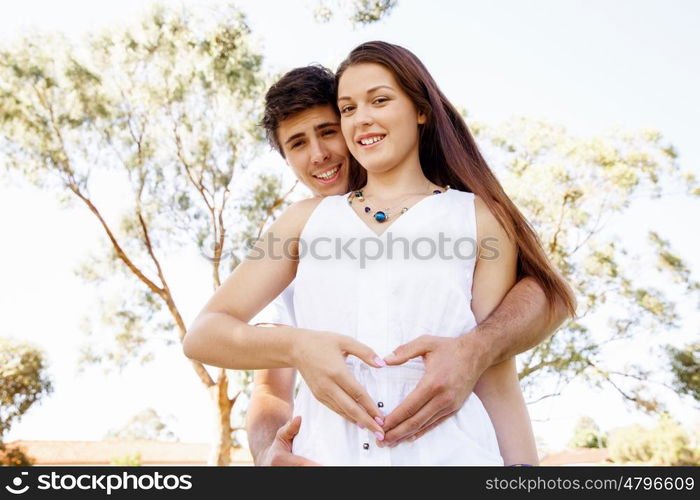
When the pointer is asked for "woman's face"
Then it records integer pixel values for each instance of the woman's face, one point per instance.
(378, 119)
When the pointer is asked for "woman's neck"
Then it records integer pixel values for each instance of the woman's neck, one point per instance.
(397, 182)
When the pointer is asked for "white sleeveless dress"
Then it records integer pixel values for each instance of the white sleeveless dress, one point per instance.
(416, 285)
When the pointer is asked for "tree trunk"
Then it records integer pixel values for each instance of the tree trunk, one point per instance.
(221, 451)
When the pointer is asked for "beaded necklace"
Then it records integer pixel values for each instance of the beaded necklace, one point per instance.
(384, 215)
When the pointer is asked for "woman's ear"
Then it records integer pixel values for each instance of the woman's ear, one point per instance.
(422, 118)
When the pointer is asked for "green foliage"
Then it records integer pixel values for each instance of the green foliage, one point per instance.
(569, 188)
(358, 12)
(14, 456)
(587, 434)
(685, 366)
(261, 204)
(139, 324)
(666, 444)
(146, 425)
(167, 106)
(127, 460)
(24, 380)
(672, 263)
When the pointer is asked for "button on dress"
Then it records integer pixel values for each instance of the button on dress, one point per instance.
(384, 291)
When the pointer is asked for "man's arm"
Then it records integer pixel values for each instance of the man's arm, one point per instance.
(269, 409)
(520, 322)
(270, 430)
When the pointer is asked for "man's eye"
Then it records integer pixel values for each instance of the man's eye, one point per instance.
(329, 132)
(296, 144)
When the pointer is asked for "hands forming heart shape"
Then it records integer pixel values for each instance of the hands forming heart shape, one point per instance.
(452, 368)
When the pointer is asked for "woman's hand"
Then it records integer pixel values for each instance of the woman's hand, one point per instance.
(320, 358)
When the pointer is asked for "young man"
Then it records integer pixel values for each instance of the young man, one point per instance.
(302, 123)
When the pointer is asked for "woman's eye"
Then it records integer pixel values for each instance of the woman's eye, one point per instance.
(346, 109)
(380, 100)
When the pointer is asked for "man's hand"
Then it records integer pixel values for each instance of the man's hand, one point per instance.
(280, 451)
(320, 358)
(452, 368)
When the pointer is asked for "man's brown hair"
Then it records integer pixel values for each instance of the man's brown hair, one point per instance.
(298, 90)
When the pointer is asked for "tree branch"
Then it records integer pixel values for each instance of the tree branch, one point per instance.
(118, 249)
(188, 169)
(546, 396)
(553, 241)
(273, 207)
(167, 297)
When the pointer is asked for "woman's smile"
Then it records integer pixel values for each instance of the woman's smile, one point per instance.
(368, 140)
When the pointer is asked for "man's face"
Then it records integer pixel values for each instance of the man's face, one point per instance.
(315, 149)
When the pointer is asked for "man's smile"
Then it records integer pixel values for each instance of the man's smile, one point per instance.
(328, 175)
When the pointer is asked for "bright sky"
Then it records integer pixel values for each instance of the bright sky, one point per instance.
(588, 65)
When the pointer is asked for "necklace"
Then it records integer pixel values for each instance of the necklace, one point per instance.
(385, 214)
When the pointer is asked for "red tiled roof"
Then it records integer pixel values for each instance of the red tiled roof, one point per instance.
(577, 456)
(175, 453)
(104, 452)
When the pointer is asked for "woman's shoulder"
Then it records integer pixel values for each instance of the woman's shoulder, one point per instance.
(480, 206)
(487, 222)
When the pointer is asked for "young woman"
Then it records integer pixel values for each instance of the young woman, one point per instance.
(424, 174)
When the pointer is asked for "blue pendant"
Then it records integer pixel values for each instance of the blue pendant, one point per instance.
(380, 216)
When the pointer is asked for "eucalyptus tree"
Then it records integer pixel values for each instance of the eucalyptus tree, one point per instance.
(169, 106)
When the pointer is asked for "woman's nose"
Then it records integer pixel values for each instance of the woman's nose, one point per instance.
(363, 116)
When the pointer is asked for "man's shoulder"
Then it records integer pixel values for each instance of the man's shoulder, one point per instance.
(295, 215)
(305, 205)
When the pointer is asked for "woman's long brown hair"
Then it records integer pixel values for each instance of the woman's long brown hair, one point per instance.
(449, 155)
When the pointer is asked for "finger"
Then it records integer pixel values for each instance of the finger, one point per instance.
(415, 423)
(362, 351)
(409, 350)
(339, 402)
(290, 429)
(344, 395)
(359, 415)
(330, 403)
(349, 399)
(417, 398)
(290, 459)
(357, 393)
(306, 462)
(287, 458)
(430, 426)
